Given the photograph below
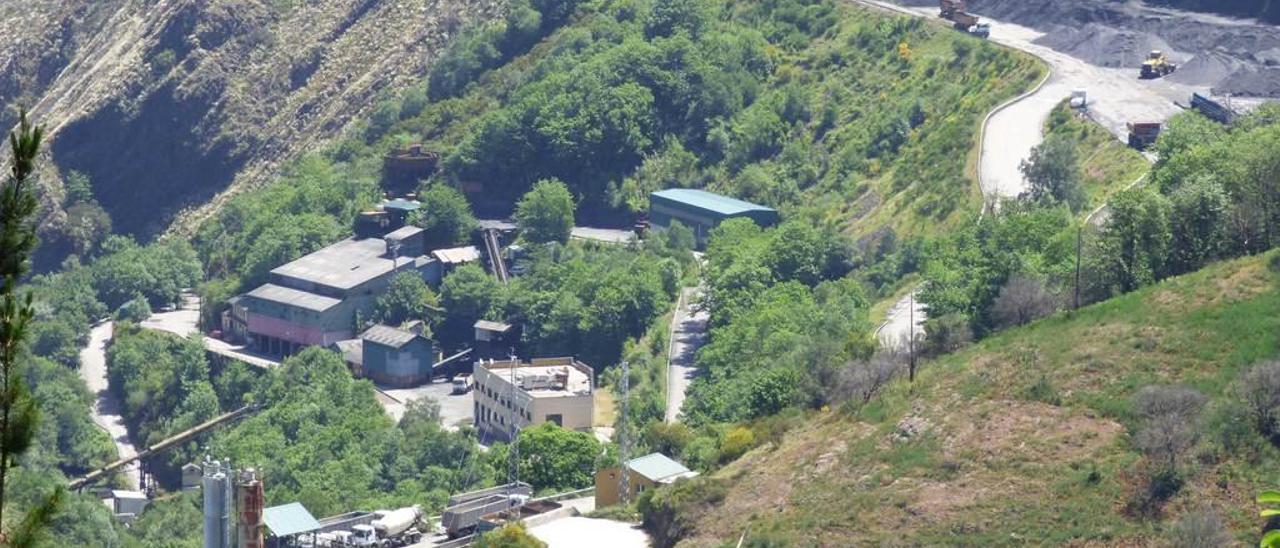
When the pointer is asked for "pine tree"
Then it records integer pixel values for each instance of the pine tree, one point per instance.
(18, 410)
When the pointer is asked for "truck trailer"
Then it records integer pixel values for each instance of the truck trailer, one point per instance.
(462, 519)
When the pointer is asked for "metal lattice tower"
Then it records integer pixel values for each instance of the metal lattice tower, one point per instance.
(624, 476)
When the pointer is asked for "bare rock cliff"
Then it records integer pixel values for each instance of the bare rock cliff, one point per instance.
(170, 105)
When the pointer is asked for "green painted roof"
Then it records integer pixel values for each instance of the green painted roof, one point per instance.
(290, 519)
(657, 467)
(709, 201)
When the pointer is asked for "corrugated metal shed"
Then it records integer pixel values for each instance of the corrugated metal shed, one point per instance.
(352, 350)
(288, 520)
(387, 336)
(488, 325)
(293, 297)
(457, 255)
(717, 203)
(401, 204)
(658, 468)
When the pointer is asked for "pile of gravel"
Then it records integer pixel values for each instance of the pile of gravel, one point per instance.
(1241, 57)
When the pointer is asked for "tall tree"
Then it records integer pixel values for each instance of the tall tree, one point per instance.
(18, 410)
(546, 212)
(1053, 174)
(445, 216)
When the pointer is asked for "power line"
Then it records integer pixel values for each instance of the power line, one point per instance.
(624, 448)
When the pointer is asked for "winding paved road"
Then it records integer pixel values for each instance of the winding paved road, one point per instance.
(1116, 97)
(688, 333)
(896, 329)
(106, 410)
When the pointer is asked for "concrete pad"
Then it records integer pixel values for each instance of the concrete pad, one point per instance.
(579, 532)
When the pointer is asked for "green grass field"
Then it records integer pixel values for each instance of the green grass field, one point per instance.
(1106, 164)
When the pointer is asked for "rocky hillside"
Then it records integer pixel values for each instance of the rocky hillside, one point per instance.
(170, 104)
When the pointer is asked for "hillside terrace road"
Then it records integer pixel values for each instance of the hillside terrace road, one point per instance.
(688, 333)
(1116, 97)
(106, 408)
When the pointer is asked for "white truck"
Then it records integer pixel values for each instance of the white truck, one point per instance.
(1079, 99)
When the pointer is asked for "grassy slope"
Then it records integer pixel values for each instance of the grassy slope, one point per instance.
(997, 464)
(1106, 164)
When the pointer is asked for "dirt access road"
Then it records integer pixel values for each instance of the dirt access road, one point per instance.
(1116, 97)
(106, 410)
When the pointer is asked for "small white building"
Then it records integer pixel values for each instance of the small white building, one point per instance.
(126, 505)
(511, 394)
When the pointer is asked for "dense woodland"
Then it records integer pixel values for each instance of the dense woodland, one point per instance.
(857, 127)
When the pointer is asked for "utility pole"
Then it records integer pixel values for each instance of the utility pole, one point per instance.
(1079, 245)
(624, 483)
(911, 337)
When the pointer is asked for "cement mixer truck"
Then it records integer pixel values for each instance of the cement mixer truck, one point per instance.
(388, 530)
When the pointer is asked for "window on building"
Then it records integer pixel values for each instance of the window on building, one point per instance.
(556, 418)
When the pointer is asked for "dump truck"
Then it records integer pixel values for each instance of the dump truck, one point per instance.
(462, 519)
(1156, 65)
(1143, 134)
(948, 8)
(954, 11)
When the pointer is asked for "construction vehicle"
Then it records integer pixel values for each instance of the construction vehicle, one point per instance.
(954, 11)
(947, 8)
(1157, 65)
(387, 529)
(465, 510)
(1079, 99)
(461, 384)
(1143, 134)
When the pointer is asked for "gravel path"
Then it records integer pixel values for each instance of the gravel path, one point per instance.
(688, 333)
(106, 411)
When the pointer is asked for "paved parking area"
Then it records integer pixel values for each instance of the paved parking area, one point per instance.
(455, 409)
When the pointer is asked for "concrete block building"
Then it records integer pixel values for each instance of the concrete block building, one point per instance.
(702, 211)
(511, 394)
(644, 473)
(314, 301)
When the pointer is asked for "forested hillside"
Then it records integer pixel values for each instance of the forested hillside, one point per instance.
(825, 110)
(1149, 415)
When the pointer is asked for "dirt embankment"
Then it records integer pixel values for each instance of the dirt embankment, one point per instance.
(1236, 56)
(169, 104)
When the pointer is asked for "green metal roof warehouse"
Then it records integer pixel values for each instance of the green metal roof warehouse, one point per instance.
(703, 211)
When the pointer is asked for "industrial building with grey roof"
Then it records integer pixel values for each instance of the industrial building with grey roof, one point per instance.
(315, 300)
(702, 211)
